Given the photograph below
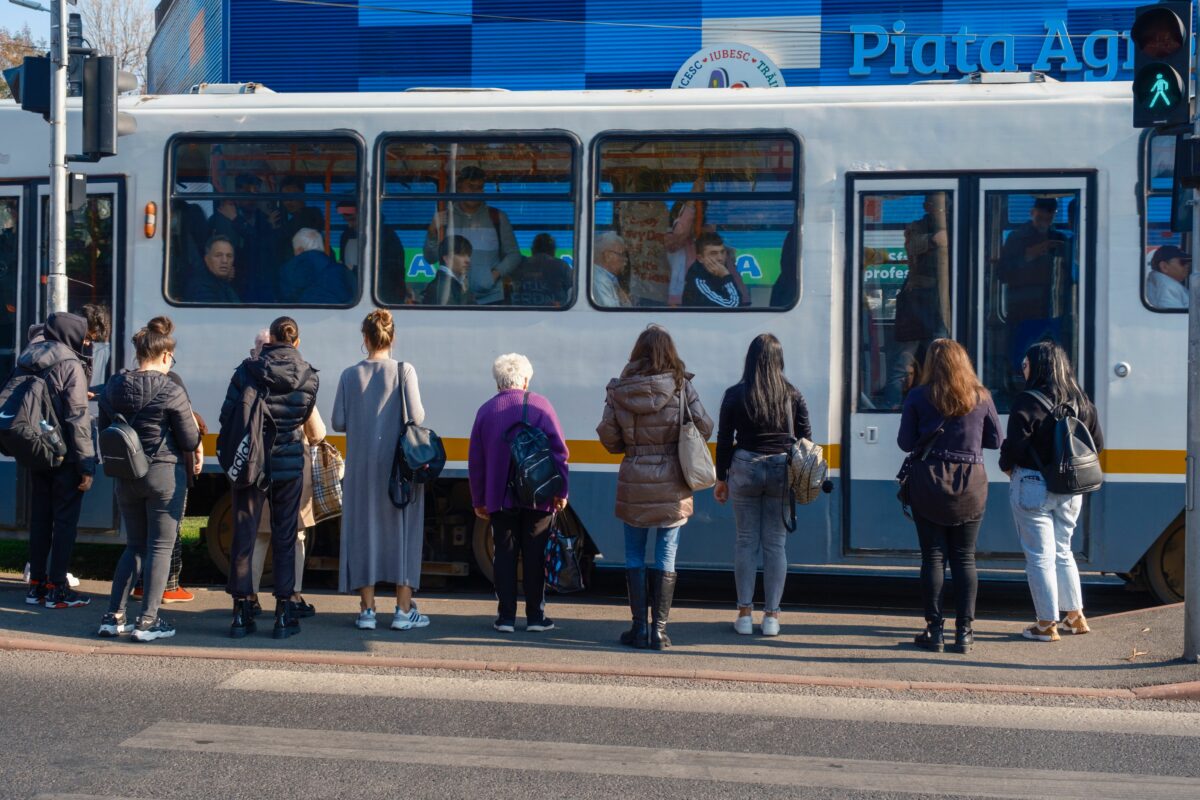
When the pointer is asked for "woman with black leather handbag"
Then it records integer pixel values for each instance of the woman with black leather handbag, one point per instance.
(945, 425)
(381, 542)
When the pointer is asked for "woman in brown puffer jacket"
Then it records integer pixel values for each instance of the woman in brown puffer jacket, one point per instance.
(641, 420)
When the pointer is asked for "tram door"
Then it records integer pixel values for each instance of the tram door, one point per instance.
(12, 217)
(995, 263)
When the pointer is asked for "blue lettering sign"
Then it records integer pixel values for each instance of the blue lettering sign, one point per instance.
(420, 268)
(1110, 62)
(862, 52)
(747, 265)
(1057, 45)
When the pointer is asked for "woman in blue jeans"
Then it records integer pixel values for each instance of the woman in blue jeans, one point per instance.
(760, 419)
(1045, 520)
(643, 410)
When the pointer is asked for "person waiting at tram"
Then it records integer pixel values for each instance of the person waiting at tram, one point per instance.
(760, 418)
(1045, 520)
(495, 250)
(923, 303)
(311, 277)
(516, 529)
(947, 422)
(214, 284)
(289, 385)
(711, 281)
(151, 506)
(1167, 281)
(380, 542)
(449, 286)
(314, 433)
(643, 410)
(611, 259)
(543, 279)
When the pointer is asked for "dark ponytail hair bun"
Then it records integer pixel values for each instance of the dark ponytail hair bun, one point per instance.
(155, 339)
(285, 331)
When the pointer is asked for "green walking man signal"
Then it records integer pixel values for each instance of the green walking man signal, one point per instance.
(1160, 92)
(1162, 56)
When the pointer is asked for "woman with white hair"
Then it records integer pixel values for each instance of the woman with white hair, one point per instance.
(514, 527)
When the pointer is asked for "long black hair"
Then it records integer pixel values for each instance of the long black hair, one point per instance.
(768, 395)
(1051, 373)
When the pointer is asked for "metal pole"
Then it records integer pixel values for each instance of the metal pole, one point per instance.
(56, 280)
(1191, 621)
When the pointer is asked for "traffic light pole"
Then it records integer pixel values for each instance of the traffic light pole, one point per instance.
(56, 280)
(1191, 621)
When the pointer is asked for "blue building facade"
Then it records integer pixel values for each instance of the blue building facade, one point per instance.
(391, 45)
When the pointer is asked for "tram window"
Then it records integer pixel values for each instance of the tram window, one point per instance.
(1031, 282)
(263, 221)
(478, 222)
(906, 247)
(701, 222)
(10, 227)
(1165, 268)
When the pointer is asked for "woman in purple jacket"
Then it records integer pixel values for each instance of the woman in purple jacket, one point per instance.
(513, 526)
(947, 422)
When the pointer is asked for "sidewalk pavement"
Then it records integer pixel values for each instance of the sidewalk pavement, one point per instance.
(1127, 655)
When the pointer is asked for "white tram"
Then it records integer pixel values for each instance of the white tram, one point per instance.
(815, 192)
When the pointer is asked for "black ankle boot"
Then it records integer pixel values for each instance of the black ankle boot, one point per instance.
(932, 637)
(243, 619)
(286, 623)
(635, 583)
(964, 638)
(662, 592)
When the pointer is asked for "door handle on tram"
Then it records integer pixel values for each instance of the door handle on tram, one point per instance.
(870, 435)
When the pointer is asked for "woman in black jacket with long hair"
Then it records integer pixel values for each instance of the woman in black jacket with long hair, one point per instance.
(290, 386)
(158, 409)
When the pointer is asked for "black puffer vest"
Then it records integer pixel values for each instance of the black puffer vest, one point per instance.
(291, 384)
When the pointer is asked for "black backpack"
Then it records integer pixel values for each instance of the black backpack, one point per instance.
(1074, 467)
(121, 451)
(534, 479)
(245, 441)
(29, 429)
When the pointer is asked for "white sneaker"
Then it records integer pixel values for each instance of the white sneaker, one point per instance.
(405, 620)
(744, 625)
(366, 620)
(770, 626)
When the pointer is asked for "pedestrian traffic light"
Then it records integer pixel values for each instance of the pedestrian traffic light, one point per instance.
(30, 84)
(102, 122)
(1162, 64)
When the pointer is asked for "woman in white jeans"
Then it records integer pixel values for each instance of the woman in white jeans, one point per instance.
(760, 418)
(1046, 521)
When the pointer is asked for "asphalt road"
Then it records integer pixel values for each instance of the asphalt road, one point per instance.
(145, 727)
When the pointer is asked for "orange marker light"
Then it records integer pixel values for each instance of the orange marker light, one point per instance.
(151, 219)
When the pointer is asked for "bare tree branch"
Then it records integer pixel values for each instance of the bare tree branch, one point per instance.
(122, 29)
(14, 46)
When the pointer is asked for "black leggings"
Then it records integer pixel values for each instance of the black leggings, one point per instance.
(956, 544)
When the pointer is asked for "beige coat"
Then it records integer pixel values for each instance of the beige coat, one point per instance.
(641, 420)
(314, 432)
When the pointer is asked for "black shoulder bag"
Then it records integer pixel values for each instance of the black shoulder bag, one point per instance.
(919, 453)
(419, 456)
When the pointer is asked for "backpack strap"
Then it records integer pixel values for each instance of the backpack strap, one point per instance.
(525, 409)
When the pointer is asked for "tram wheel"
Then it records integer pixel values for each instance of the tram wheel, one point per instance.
(1164, 563)
(218, 535)
(484, 547)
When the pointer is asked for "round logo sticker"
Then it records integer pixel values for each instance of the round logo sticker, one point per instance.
(728, 66)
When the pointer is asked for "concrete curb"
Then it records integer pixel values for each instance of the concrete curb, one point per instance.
(1171, 691)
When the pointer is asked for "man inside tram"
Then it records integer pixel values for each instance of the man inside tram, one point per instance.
(711, 281)
(450, 286)
(495, 252)
(311, 277)
(543, 279)
(1036, 275)
(294, 214)
(214, 284)
(252, 233)
(923, 303)
(393, 269)
(611, 259)
(1167, 281)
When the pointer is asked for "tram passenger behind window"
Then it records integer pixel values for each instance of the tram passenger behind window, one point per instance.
(711, 282)
(1167, 281)
(1034, 270)
(543, 279)
(393, 267)
(252, 233)
(787, 285)
(645, 225)
(495, 253)
(311, 277)
(294, 215)
(923, 304)
(189, 232)
(450, 287)
(611, 259)
(214, 284)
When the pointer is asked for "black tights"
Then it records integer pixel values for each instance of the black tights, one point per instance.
(956, 544)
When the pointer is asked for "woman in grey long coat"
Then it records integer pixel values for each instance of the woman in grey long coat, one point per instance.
(379, 541)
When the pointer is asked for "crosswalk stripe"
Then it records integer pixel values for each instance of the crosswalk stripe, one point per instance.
(713, 766)
(713, 701)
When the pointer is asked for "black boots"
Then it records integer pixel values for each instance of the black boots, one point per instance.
(662, 592)
(931, 638)
(964, 637)
(635, 583)
(243, 618)
(286, 622)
